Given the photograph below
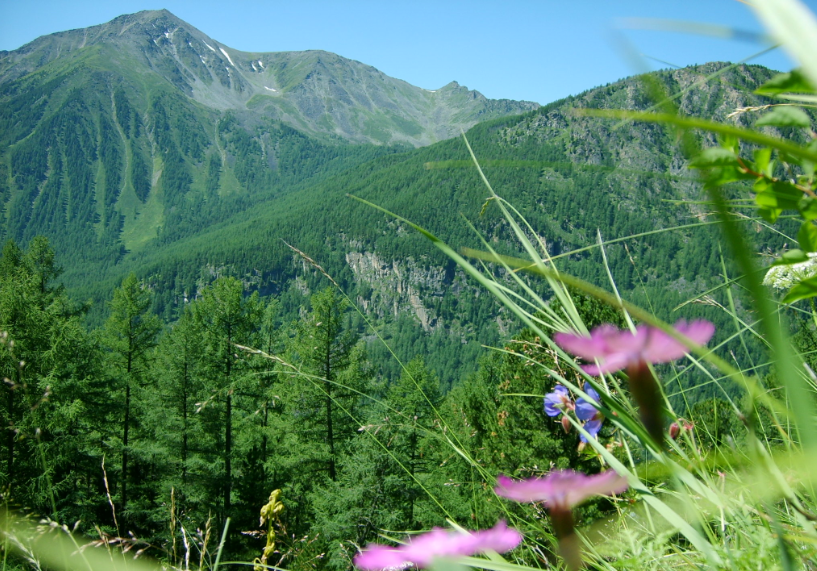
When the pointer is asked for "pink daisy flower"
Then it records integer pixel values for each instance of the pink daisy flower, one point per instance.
(561, 490)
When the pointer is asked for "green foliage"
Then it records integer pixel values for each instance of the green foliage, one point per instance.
(253, 186)
(225, 318)
(54, 394)
(129, 336)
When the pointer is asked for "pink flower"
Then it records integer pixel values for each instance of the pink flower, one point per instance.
(617, 350)
(421, 550)
(561, 489)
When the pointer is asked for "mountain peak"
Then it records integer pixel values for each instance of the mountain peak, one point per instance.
(157, 19)
(315, 91)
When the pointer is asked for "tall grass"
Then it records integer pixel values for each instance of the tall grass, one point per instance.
(740, 508)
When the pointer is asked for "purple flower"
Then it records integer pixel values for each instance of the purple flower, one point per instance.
(558, 401)
(421, 550)
(587, 412)
(561, 489)
(617, 350)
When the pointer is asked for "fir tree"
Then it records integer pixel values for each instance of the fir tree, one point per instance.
(129, 335)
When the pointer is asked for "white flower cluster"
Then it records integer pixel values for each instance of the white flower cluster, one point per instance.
(784, 277)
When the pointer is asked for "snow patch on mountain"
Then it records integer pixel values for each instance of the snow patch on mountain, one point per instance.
(227, 56)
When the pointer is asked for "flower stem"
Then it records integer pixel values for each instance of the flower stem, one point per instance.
(569, 547)
(647, 395)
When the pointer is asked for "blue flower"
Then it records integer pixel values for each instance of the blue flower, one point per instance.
(558, 401)
(587, 411)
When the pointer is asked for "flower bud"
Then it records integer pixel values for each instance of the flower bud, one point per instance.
(566, 424)
(674, 430)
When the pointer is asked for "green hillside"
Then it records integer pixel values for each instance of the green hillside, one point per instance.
(192, 360)
(132, 153)
(571, 177)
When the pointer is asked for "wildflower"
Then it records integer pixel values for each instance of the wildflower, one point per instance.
(421, 550)
(588, 412)
(558, 402)
(561, 490)
(786, 276)
(615, 350)
(675, 429)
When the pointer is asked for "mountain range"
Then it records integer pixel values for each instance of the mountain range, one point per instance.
(144, 145)
(316, 92)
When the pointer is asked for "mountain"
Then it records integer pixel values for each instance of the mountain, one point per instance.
(144, 129)
(143, 145)
(316, 92)
(575, 179)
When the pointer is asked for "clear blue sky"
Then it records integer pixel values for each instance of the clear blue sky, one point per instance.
(534, 50)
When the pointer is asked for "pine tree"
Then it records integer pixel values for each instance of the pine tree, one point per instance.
(414, 400)
(52, 394)
(227, 319)
(129, 335)
(324, 346)
(171, 412)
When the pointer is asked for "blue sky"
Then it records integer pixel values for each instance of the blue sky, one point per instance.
(533, 50)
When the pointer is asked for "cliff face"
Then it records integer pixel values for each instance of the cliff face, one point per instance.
(401, 286)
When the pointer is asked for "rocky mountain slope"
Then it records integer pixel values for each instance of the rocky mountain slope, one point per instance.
(144, 130)
(316, 92)
(571, 176)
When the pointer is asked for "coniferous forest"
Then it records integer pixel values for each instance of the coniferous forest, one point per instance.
(237, 331)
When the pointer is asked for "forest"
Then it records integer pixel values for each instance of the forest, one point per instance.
(137, 429)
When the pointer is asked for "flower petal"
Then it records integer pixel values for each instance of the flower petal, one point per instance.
(586, 347)
(586, 410)
(561, 489)
(700, 331)
(603, 484)
(612, 364)
(555, 401)
(614, 350)
(423, 549)
(377, 557)
(593, 427)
